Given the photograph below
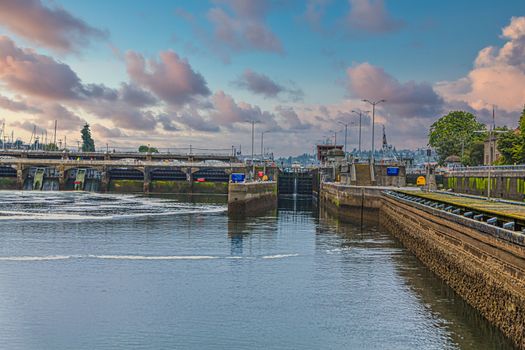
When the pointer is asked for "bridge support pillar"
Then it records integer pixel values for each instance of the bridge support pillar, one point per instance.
(104, 180)
(20, 177)
(61, 178)
(147, 179)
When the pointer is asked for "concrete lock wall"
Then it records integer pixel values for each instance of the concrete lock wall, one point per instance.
(352, 203)
(486, 271)
(251, 198)
(473, 258)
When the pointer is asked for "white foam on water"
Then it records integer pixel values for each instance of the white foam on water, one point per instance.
(140, 257)
(20, 215)
(35, 258)
(145, 257)
(279, 256)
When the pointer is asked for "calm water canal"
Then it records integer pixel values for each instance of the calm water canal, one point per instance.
(93, 271)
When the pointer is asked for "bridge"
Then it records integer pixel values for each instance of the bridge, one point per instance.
(121, 175)
(192, 154)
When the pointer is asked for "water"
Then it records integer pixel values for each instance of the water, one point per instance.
(86, 271)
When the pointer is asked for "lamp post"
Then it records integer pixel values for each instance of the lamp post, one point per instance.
(262, 150)
(335, 137)
(373, 103)
(492, 131)
(346, 131)
(253, 160)
(360, 113)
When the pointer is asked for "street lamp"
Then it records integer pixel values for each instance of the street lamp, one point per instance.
(346, 131)
(253, 161)
(373, 103)
(360, 113)
(492, 149)
(335, 137)
(262, 142)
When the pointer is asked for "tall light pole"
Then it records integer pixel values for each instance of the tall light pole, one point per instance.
(492, 137)
(373, 103)
(360, 113)
(262, 142)
(346, 131)
(253, 160)
(262, 150)
(335, 137)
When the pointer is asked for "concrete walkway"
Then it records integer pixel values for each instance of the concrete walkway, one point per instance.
(499, 208)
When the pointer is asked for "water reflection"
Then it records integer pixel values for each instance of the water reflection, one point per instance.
(465, 326)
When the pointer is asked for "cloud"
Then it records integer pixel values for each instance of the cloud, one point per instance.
(52, 27)
(107, 133)
(227, 112)
(314, 13)
(25, 71)
(498, 75)
(239, 25)
(409, 99)
(45, 120)
(371, 16)
(171, 79)
(66, 119)
(289, 119)
(261, 84)
(167, 122)
(137, 97)
(195, 121)
(17, 106)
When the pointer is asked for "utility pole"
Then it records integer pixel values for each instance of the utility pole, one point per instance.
(360, 113)
(346, 131)
(55, 134)
(491, 152)
(373, 103)
(253, 159)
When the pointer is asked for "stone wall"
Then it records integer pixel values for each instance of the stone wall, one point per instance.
(484, 264)
(484, 269)
(251, 198)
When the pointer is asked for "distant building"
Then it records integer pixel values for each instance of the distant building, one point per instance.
(490, 145)
(322, 151)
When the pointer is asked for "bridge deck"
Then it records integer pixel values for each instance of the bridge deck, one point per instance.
(507, 209)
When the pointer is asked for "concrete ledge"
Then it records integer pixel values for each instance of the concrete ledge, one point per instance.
(251, 198)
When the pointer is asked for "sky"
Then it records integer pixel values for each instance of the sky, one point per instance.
(178, 73)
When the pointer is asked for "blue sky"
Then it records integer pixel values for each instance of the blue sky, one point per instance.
(314, 62)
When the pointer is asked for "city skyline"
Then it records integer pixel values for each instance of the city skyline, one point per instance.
(194, 72)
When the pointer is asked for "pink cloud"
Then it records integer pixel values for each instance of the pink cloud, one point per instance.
(171, 79)
(371, 16)
(52, 27)
(240, 26)
(408, 99)
(498, 76)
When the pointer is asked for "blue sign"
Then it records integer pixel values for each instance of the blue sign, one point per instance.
(238, 177)
(392, 171)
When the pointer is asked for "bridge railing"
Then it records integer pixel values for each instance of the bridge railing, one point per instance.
(486, 168)
(182, 151)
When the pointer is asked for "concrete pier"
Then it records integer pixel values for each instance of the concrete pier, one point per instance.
(251, 198)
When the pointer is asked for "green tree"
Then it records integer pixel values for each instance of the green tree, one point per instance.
(51, 147)
(454, 133)
(88, 145)
(144, 149)
(511, 144)
(475, 153)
